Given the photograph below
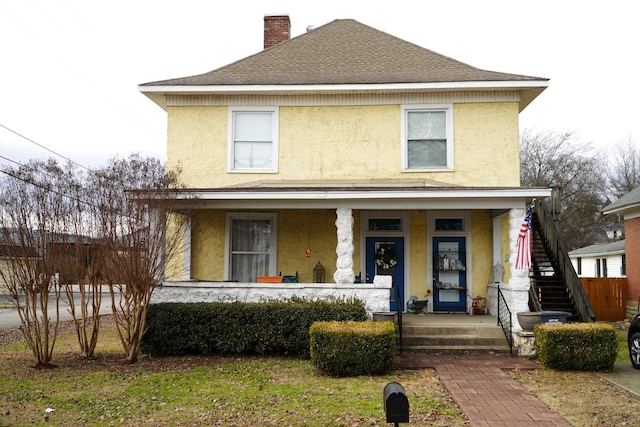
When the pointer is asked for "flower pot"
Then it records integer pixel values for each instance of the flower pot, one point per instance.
(270, 279)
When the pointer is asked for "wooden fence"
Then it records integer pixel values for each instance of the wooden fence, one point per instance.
(608, 297)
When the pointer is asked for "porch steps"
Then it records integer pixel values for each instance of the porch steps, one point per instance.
(455, 338)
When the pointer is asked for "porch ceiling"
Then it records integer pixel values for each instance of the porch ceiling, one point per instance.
(365, 194)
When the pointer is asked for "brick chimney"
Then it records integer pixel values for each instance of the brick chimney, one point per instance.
(277, 29)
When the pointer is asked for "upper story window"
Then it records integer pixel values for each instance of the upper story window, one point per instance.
(253, 139)
(427, 138)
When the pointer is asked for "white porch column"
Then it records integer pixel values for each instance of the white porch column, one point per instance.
(344, 264)
(186, 251)
(517, 291)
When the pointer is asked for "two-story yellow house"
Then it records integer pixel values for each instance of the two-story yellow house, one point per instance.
(323, 150)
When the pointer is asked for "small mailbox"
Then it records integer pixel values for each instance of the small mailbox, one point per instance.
(396, 404)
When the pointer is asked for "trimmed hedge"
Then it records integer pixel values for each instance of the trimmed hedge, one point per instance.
(576, 346)
(353, 348)
(274, 327)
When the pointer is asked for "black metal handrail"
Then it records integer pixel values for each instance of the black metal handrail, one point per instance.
(549, 229)
(504, 320)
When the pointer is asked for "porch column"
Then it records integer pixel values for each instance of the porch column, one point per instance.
(344, 264)
(519, 282)
(186, 250)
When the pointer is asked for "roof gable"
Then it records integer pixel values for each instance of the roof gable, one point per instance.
(631, 200)
(344, 51)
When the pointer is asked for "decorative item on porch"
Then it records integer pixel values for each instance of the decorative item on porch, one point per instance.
(386, 257)
(416, 306)
(318, 273)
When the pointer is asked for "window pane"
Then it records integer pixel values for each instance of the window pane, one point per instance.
(250, 246)
(426, 153)
(249, 155)
(251, 235)
(253, 126)
(426, 125)
(449, 224)
(247, 268)
(385, 224)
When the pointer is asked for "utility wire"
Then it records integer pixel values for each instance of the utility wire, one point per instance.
(43, 147)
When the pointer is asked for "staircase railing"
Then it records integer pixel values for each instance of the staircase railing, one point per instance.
(550, 232)
(504, 320)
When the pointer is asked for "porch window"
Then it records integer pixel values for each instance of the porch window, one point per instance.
(251, 240)
(385, 224)
(253, 140)
(427, 138)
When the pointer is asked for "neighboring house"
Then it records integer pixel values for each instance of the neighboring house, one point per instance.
(628, 207)
(344, 140)
(600, 260)
(66, 248)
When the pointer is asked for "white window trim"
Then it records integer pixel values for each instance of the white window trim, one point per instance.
(274, 137)
(448, 109)
(273, 244)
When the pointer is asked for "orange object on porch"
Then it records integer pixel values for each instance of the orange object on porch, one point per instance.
(478, 305)
(269, 279)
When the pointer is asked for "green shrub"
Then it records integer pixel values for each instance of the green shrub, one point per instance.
(576, 346)
(353, 348)
(273, 327)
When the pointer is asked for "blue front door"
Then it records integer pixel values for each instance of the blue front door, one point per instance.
(449, 274)
(373, 244)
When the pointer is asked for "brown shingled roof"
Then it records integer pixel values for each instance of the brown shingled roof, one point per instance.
(343, 51)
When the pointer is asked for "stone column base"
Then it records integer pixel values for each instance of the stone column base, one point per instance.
(525, 344)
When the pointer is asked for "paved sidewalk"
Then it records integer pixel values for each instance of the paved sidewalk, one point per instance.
(484, 391)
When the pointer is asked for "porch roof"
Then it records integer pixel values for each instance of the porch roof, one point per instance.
(358, 194)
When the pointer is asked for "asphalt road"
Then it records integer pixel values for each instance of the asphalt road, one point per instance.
(9, 316)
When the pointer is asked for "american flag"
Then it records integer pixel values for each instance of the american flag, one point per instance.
(523, 257)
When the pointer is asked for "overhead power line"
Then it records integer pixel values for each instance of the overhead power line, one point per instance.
(43, 147)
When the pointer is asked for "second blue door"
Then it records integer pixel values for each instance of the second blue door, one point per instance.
(449, 274)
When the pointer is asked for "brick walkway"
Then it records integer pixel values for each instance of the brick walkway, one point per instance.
(484, 391)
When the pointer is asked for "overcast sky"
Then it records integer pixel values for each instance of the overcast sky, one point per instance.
(70, 69)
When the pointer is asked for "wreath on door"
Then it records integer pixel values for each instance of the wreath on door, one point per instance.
(386, 257)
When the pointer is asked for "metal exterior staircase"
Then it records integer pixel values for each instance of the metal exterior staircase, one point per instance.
(555, 286)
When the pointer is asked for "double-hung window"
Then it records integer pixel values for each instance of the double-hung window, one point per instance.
(427, 138)
(253, 139)
(251, 246)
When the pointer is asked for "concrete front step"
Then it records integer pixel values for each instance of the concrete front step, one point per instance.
(454, 338)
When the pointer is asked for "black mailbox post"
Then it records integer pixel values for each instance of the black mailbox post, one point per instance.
(396, 404)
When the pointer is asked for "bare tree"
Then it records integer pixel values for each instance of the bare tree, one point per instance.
(32, 238)
(549, 159)
(139, 233)
(623, 171)
(83, 265)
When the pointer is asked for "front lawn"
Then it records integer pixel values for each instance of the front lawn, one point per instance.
(199, 390)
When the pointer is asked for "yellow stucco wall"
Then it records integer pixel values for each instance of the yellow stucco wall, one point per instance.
(487, 148)
(481, 251)
(418, 255)
(347, 142)
(307, 229)
(207, 245)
